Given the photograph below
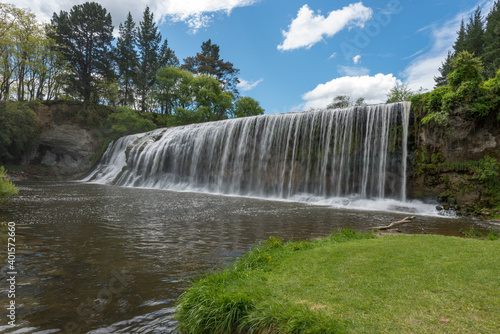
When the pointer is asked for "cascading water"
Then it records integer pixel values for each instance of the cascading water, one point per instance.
(325, 157)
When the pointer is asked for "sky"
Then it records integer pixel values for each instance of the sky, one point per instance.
(295, 55)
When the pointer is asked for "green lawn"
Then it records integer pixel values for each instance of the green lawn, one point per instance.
(352, 283)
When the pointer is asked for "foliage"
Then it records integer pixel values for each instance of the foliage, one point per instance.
(29, 67)
(74, 54)
(399, 93)
(466, 67)
(126, 59)
(246, 106)
(345, 101)
(335, 284)
(148, 43)
(444, 70)
(127, 121)
(7, 188)
(83, 37)
(492, 41)
(430, 104)
(190, 98)
(467, 96)
(18, 130)
(209, 62)
(474, 34)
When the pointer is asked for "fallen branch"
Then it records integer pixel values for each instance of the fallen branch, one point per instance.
(391, 225)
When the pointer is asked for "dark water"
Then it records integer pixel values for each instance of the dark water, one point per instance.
(104, 259)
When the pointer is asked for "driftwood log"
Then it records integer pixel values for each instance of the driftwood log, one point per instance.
(391, 225)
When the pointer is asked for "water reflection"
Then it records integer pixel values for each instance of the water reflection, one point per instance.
(105, 259)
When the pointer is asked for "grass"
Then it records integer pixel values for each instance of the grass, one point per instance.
(351, 282)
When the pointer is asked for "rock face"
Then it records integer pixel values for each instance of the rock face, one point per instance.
(68, 147)
(443, 161)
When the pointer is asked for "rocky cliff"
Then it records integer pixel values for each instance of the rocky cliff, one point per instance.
(453, 164)
(68, 145)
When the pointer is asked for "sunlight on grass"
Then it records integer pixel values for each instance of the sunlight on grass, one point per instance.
(355, 283)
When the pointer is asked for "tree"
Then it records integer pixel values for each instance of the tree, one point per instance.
(246, 106)
(340, 101)
(466, 67)
(192, 98)
(173, 89)
(127, 61)
(474, 34)
(83, 37)
(491, 56)
(167, 56)
(444, 70)
(209, 62)
(460, 42)
(148, 41)
(399, 93)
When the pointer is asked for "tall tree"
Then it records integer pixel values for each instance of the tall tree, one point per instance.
(83, 37)
(445, 69)
(491, 54)
(460, 42)
(474, 34)
(127, 61)
(209, 62)
(167, 56)
(148, 41)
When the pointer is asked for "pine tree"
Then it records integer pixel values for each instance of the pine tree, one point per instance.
(491, 54)
(148, 41)
(167, 56)
(84, 38)
(474, 34)
(209, 62)
(460, 42)
(126, 58)
(444, 70)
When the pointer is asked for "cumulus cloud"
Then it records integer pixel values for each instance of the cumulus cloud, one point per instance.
(373, 88)
(245, 85)
(356, 59)
(309, 28)
(422, 70)
(195, 13)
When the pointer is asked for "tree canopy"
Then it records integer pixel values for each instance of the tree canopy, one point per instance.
(83, 37)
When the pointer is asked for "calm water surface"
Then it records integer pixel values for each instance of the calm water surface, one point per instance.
(104, 259)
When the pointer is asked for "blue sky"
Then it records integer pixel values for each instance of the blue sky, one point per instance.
(295, 55)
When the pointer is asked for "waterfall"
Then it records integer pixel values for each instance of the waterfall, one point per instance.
(350, 152)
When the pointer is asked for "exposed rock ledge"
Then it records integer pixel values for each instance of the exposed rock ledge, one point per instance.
(68, 147)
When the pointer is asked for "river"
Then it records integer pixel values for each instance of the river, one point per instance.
(105, 259)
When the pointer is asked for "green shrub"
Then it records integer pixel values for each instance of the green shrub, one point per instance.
(18, 130)
(7, 188)
(127, 121)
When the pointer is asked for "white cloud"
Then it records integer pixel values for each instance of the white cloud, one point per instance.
(245, 85)
(195, 13)
(422, 70)
(356, 59)
(373, 88)
(333, 55)
(353, 71)
(309, 28)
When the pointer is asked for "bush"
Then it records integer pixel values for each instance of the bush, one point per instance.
(18, 130)
(127, 121)
(7, 188)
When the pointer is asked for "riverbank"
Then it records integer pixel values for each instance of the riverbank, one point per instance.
(352, 282)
